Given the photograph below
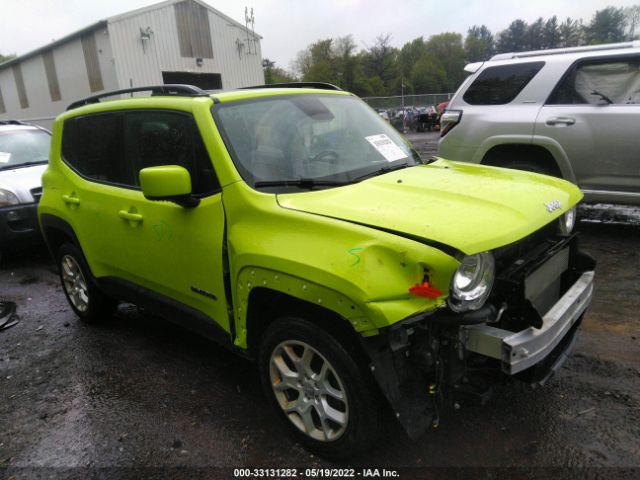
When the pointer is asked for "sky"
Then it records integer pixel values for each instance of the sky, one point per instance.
(288, 26)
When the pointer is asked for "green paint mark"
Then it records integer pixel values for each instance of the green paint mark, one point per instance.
(352, 251)
(163, 231)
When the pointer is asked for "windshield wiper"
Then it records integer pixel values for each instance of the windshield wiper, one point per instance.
(300, 183)
(380, 171)
(25, 164)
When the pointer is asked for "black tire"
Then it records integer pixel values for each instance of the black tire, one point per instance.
(347, 372)
(83, 295)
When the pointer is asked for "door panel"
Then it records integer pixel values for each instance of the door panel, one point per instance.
(594, 114)
(601, 142)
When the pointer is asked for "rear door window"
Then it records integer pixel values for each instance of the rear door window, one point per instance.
(92, 146)
(501, 84)
(112, 148)
(599, 83)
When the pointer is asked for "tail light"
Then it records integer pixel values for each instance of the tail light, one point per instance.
(448, 120)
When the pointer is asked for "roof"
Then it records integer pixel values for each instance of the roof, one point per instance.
(117, 18)
(568, 50)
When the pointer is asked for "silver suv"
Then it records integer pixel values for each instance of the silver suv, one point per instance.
(573, 113)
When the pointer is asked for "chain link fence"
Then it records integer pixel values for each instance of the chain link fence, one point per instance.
(424, 100)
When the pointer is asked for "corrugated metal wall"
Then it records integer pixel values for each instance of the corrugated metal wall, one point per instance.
(52, 75)
(194, 30)
(72, 78)
(22, 92)
(141, 62)
(116, 56)
(90, 51)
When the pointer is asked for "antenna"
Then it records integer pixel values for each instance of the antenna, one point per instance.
(250, 20)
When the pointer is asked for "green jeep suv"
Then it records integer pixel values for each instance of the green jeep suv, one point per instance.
(295, 226)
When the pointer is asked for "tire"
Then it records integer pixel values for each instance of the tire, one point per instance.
(317, 417)
(84, 297)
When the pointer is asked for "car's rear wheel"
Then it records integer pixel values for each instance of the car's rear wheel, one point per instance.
(322, 390)
(84, 297)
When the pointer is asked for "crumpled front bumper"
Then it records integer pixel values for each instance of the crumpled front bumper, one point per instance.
(521, 350)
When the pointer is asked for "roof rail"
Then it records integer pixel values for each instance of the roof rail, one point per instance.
(319, 85)
(177, 90)
(559, 51)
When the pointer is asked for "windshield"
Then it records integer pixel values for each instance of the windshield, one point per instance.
(320, 139)
(23, 147)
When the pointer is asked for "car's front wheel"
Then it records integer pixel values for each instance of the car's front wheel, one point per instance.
(84, 297)
(322, 390)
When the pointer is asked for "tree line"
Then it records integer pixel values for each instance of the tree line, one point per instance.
(436, 64)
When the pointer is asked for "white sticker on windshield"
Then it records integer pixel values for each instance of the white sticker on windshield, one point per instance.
(5, 157)
(386, 147)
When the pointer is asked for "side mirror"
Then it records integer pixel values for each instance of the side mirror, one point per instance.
(168, 182)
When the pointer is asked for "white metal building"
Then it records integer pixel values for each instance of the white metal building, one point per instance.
(176, 41)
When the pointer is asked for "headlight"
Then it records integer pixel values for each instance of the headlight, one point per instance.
(8, 198)
(472, 282)
(567, 221)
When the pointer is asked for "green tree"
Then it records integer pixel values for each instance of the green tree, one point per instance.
(632, 15)
(479, 44)
(571, 33)
(6, 58)
(409, 55)
(347, 65)
(317, 52)
(607, 26)
(380, 61)
(428, 75)
(448, 50)
(551, 33)
(273, 74)
(513, 38)
(535, 35)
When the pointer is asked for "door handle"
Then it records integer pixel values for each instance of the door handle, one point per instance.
(552, 121)
(130, 216)
(71, 199)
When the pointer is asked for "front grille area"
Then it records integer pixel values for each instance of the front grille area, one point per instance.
(529, 295)
(36, 193)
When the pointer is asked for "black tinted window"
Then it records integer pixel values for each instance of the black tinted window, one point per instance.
(114, 147)
(92, 145)
(500, 85)
(155, 138)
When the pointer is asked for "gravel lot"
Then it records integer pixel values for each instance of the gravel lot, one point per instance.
(140, 398)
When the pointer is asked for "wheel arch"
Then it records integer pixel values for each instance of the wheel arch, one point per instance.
(56, 232)
(267, 305)
(545, 152)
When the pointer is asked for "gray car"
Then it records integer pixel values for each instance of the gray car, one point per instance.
(24, 153)
(572, 113)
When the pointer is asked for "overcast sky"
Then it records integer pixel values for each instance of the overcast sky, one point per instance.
(290, 25)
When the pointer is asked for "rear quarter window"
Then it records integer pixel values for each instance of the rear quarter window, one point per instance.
(501, 84)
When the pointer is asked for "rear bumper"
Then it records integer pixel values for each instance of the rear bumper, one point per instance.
(521, 350)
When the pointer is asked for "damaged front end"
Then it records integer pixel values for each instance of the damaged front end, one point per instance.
(525, 330)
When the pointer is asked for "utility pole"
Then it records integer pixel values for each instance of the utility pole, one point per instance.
(404, 112)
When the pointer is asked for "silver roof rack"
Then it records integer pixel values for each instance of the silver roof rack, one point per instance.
(559, 51)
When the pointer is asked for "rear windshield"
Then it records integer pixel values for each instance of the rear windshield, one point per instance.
(500, 85)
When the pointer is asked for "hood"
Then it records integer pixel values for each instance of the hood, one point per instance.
(470, 208)
(21, 180)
